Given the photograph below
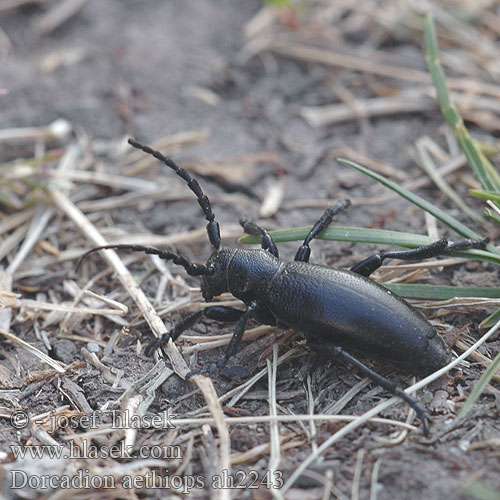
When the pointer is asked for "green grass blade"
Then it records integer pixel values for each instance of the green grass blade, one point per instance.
(482, 167)
(415, 199)
(485, 195)
(450, 221)
(480, 385)
(368, 235)
(492, 214)
(491, 320)
(6, 201)
(431, 170)
(489, 179)
(352, 234)
(441, 292)
(481, 491)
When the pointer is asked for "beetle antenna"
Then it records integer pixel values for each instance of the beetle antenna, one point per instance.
(191, 269)
(213, 229)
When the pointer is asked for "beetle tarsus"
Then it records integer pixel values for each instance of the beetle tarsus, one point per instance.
(478, 243)
(209, 369)
(157, 343)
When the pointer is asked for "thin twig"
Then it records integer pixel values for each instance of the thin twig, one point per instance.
(39, 354)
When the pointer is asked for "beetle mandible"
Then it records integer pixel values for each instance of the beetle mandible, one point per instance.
(344, 310)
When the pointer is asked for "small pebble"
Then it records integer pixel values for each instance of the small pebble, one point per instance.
(93, 347)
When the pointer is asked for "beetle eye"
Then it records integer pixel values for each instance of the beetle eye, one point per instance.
(211, 269)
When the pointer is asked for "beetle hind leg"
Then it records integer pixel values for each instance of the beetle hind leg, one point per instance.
(440, 247)
(383, 382)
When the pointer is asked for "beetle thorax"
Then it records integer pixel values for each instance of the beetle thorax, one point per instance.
(250, 272)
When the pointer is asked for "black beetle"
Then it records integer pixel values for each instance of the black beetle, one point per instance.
(339, 309)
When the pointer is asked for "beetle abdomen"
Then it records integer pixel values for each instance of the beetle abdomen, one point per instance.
(354, 312)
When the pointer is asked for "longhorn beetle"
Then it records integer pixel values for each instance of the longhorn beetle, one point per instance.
(344, 311)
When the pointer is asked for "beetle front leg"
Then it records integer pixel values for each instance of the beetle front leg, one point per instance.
(266, 242)
(232, 347)
(218, 313)
(304, 251)
(440, 247)
(385, 383)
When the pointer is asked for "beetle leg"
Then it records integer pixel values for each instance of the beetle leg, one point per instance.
(304, 251)
(371, 264)
(219, 313)
(266, 241)
(232, 347)
(386, 384)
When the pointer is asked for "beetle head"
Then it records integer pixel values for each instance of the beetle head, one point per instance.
(214, 281)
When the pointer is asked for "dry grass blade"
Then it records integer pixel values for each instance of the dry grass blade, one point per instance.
(11, 242)
(263, 450)
(87, 228)
(16, 4)
(40, 220)
(207, 343)
(228, 231)
(32, 233)
(273, 199)
(111, 180)
(377, 166)
(477, 356)
(167, 144)
(357, 475)
(374, 480)
(274, 458)
(8, 300)
(264, 419)
(15, 220)
(338, 405)
(36, 352)
(58, 130)
(58, 15)
(331, 58)
(207, 388)
(310, 411)
(131, 409)
(118, 309)
(430, 168)
(409, 102)
(371, 68)
(238, 392)
(401, 436)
